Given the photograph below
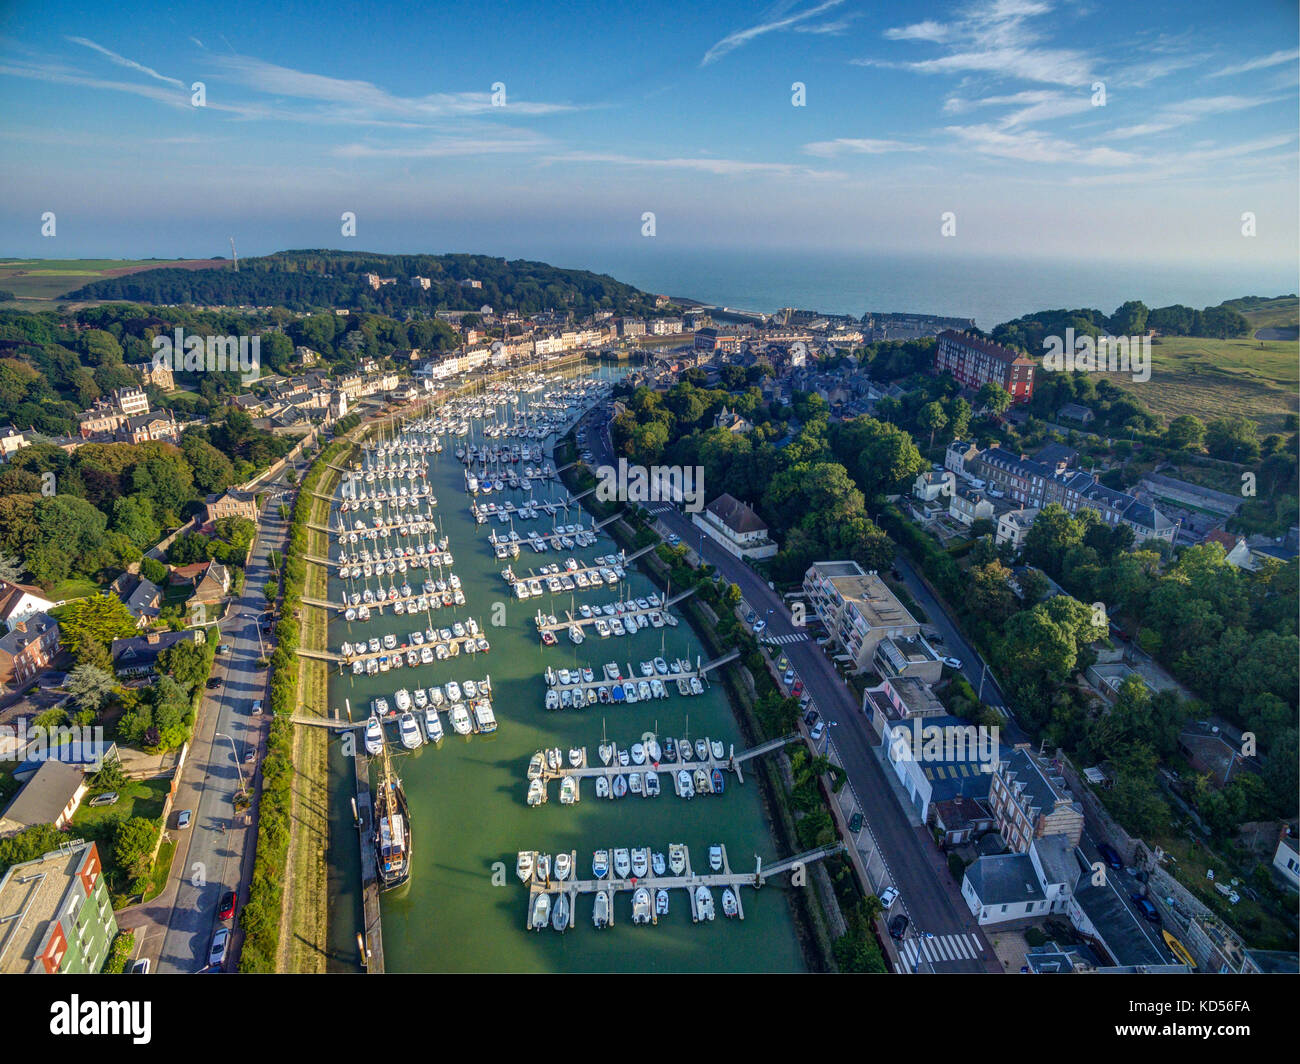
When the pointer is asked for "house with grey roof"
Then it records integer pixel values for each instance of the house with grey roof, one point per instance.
(51, 796)
(735, 527)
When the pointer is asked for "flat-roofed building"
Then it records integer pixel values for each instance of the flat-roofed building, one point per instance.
(55, 914)
(857, 608)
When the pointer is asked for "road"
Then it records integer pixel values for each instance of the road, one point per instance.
(929, 897)
(215, 853)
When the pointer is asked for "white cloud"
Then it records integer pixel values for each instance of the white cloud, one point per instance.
(1031, 146)
(1185, 112)
(735, 40)
(130, 64)
(828, 149)
(707, 165)
(1259, 63)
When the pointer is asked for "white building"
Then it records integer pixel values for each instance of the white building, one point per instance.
(736, 528)
(1014, 525)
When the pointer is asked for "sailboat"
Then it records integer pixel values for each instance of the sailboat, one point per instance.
(393, 829)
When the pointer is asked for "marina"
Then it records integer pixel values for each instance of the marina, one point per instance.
(441, 918)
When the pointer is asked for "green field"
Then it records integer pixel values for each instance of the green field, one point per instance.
(39, 283)
(1280, 313)
(1213, 378)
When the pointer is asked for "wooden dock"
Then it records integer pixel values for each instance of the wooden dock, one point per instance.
(570, 620)
(591, 572)
(458, 642)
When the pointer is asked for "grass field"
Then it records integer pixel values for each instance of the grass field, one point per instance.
(1280, 313)
(1212, 378)
(40, 284)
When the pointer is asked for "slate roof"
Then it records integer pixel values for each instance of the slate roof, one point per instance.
(736, 515)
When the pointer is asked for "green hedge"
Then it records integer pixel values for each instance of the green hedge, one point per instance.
(261, 915)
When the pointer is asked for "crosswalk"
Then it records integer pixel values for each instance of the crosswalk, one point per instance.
(786, 640)
(917, 951)
(661, 508)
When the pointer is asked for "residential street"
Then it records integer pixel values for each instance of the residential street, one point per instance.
(215, 853)
(929, 897)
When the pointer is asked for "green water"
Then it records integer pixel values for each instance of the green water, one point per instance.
(465, 909)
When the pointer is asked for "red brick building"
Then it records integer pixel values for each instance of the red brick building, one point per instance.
(975, 362)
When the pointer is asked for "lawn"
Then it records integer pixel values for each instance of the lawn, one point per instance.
(136, 798)
(1280, 313)
(72, 588)
(1212, 378)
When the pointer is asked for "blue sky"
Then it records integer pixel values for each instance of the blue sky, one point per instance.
(985, 109)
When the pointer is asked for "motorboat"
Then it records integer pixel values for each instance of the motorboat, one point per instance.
(624, 758)
(460, 722)
(536, 793)
(409, 731)
(715, 857)
(652, 784)
(661, 902)
(653, 753)
(730, 904)
(552, 699)
(541, 910)
(622, 862)
(658, 863)
(670, 749)
(716, 780)
(374, 736)
(719, 751)
(641, 906)
(619, 788)
(686, 750)
(602, 786)
(600, 864)
(677, 858)
(575, 756)
(640, 862)
(433, 725)
(684, 785)
(701, 781)
(704, 903)
(536, 765)
(634, 782)
(600, 910)
(701, 749)
(638, 754)
(569, 790)
(661, 666)
(542, 865)
(524, 865)
(563, 865)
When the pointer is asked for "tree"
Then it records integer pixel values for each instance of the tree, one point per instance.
(1233, 439)
(993, 398)
(153, 570)
(133, 841)
(90, 687)
(1185, 433)
(95, 622)
(11, 569)
(932, 418)
(186, 662)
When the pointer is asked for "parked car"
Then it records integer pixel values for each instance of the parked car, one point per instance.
(819, 729)
(217, 951)
(751, 617)
(257, 708)
(953, 663)
(250, 757)
(105, 799)
(1109, 855)
(805, 701)
(898, 927)
(797, 689)
(789, 676)
(887, 897)
(224, 648)
(674, 540)
(810, 718)
(759, 626)
(1147, 909)
(855, 823)
(140, 967)
(213, 682)
(227, 907)
(186, 815)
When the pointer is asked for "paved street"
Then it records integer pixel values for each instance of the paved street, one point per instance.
(215, 853)
(929, 897)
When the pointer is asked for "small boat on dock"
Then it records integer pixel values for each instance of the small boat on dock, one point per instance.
(524, 865)
(661, 902)
(541, 910)
(730, 906)
(658, 863)
(563, 865)
(704, 909)
(536, 793)
(715, 857)
(652, 784)
(677, 858)
(640, 862)
(600, 911)
(718, 750)
(542, 867)
(602, 786)
(641, 906)
(622, 863)
(620, 786)
(569, 790)
(600, 864)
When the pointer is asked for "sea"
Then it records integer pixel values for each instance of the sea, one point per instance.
(987, 289)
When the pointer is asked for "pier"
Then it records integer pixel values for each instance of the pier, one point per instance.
(730, 763)
(619, 615)
(456, 642)
(689, 881)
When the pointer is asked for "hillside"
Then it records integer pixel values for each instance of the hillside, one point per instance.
(304, 280)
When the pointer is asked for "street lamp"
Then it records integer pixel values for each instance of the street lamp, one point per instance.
(235, 753)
